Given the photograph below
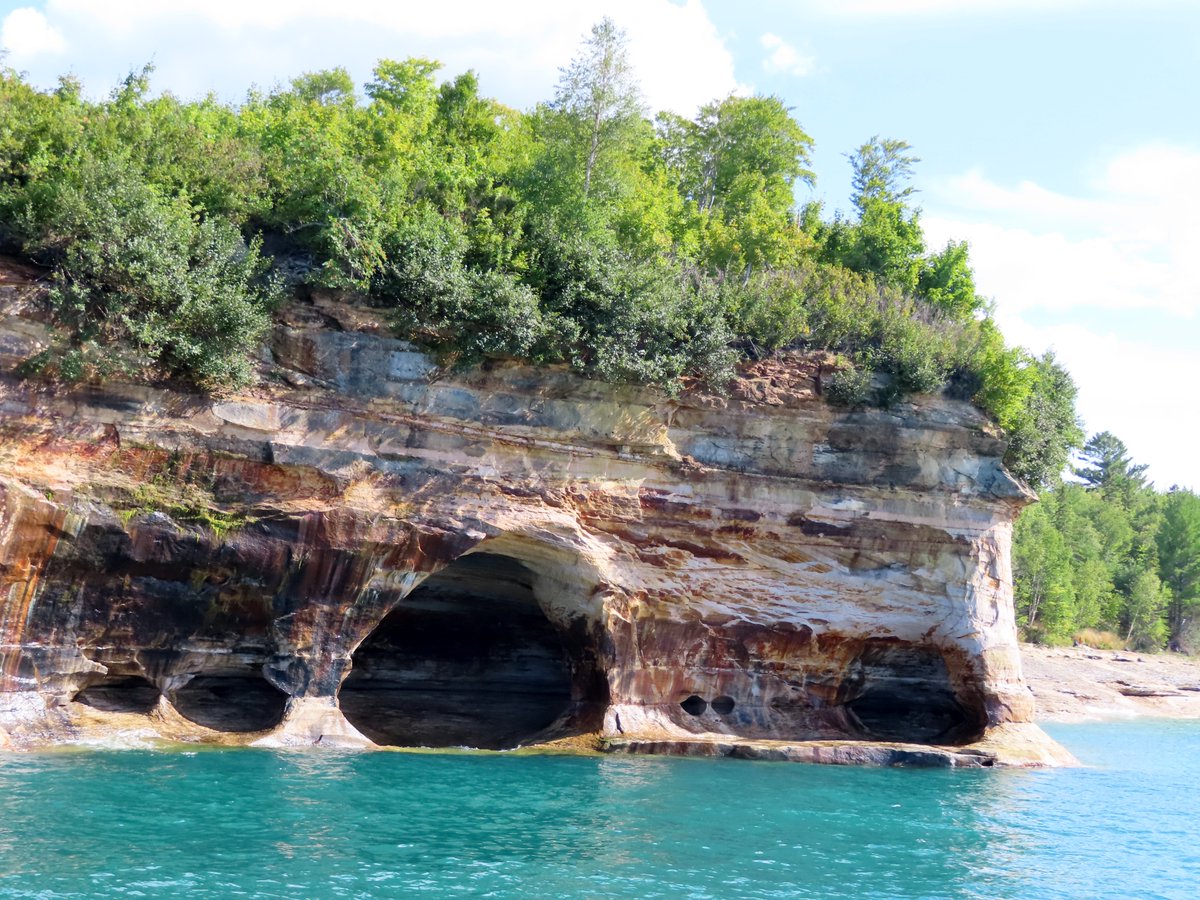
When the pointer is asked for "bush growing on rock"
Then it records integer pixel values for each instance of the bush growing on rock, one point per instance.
(851, 386)
(138, 272)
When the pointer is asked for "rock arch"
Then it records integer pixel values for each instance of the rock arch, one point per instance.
(123, 693)
(495, 650)
(230, 701)
(907, 692)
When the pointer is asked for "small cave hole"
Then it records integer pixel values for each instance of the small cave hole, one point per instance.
(723, 705)
(120, 693)
(469, 659)
(235, 703)
(694, 706)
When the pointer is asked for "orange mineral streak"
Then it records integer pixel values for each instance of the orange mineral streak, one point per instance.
(29, 533)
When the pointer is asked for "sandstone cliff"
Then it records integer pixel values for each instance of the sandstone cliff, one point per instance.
(367, 550)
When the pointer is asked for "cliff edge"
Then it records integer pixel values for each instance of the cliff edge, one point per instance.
(366, 550)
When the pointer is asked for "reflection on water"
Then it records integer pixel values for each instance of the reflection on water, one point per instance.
(271, 824)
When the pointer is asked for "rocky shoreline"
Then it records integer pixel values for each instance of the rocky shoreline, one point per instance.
(1078, 684)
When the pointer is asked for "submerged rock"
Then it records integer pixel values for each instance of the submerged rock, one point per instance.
(374, 552)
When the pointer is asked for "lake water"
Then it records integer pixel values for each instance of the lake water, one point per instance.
(249, 823)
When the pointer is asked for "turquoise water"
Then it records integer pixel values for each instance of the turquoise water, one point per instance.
(250, 823)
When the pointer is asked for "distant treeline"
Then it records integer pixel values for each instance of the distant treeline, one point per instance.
(580, 232)
(1106, 552)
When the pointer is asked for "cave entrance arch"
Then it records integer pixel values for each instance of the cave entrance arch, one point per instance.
(469, 659)
(907, 694)
(230, 701)
(119, 693)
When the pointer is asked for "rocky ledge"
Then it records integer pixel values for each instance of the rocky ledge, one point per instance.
(1080, 684)
(370, 551)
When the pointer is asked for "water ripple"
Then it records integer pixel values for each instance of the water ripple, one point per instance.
(262, 824)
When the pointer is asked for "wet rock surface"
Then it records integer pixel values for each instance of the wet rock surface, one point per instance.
(368, 550)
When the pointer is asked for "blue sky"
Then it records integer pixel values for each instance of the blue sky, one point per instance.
(1060, 137)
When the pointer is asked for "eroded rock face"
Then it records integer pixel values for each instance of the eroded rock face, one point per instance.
(500, 557)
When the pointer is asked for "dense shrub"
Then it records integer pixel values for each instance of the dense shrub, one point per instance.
(851, 386)
(135, 271)
(438, 298)
(621, 319)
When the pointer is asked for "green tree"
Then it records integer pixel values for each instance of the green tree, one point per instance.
(1075, 512)
(1146, 627)
(482, 147)
(599, 97)
(882, 170)
(738, 149)
(886, 241)
(1179, 557)
(889, 242)
(406, 87)
(1107, 465)
(1109, 471)
(947, 281)
(1045, 429)
(1042, 575)
(329, 87)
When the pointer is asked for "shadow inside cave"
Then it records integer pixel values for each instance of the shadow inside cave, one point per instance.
(120, 693)
(907, 695)
(230, 702)
(469, 659)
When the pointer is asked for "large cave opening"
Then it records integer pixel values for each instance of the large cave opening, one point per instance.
(907, 695)
(469, 659)
(120, 693)
(235, 701)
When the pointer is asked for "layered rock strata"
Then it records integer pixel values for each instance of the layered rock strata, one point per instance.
(369, 550)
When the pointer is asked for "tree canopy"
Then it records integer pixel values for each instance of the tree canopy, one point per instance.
(1107, 465)
(578, 232)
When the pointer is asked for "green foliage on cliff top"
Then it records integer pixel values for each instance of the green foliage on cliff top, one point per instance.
(579, 232)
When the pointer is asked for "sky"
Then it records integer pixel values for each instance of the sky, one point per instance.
(1060, 138)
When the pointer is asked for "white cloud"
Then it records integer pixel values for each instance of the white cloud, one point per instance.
(1143, 394)
(26, 34)
(1096, 278)
(680, 57)
(783, 57)
(1129, 245)
(902, 8)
